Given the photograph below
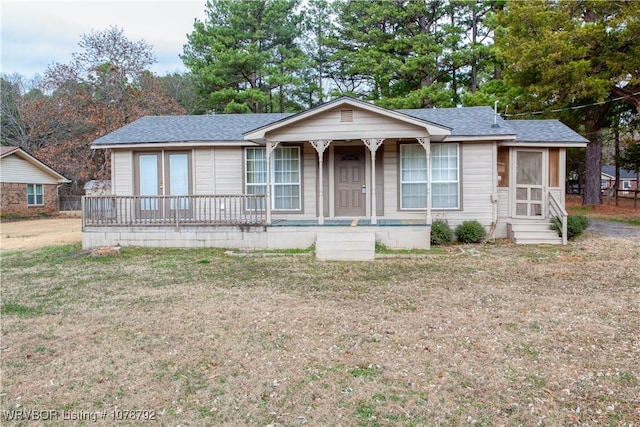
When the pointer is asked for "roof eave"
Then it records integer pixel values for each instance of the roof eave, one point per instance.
(478, 138)
(552, 144)
(10, 151)
(171, 144)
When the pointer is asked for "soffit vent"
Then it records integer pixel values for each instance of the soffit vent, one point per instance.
(346, 116)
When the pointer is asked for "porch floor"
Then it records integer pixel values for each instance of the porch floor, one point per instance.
(346, 222)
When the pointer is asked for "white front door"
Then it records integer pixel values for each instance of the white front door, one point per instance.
(530, 184)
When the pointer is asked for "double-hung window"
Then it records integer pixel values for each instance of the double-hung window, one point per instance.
(445, 176)
(35, 195)
(413, 177)
(285, 176)
(445, 188)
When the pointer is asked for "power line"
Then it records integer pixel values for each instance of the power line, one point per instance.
(577, 107)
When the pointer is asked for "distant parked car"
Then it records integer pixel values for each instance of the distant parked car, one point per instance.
(573, 187)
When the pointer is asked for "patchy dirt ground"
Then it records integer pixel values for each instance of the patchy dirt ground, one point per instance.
(493, 335)
(40, 232)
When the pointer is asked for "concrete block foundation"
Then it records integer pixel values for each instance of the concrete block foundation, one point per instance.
(250, 238)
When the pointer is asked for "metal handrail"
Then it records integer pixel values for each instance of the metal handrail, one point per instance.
(232, 209)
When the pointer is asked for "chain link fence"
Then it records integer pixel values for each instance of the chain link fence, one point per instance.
(69, 203)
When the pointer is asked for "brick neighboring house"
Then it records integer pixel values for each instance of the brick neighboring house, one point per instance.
(27, 186)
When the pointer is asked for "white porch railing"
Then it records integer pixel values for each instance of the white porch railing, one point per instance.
(230, 210)
(556, 210)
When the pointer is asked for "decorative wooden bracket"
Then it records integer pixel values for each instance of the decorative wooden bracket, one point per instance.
(320, 145)
(271, 145)
(426, 144)
(373, 143)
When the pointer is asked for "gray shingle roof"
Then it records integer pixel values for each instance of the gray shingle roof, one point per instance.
(626, 174)
(222, 127)
(544, 131)
(468, 121)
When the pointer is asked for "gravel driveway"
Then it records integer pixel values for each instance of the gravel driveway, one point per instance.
(615, 229)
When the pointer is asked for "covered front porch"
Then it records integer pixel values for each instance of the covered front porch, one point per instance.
(352, 179)
(233, 222)
(356, 161)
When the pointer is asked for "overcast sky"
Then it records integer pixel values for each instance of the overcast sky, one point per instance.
(35, 34)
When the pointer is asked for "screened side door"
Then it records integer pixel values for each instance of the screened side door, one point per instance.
(530, 184)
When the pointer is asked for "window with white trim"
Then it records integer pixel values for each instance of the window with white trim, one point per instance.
(35, 195)
(413, 177)
(445, 176)
(285, 176)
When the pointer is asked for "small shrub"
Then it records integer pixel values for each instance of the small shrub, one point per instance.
(576, 224)
(470, 232)
(441, 232)
(381, 248)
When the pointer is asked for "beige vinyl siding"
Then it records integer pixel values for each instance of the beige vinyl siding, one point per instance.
(204, 171)
(503, 211)
(391, 187)
(228, 164)
(328, 125)
(309, 175)
(122, 173)
(17, 170)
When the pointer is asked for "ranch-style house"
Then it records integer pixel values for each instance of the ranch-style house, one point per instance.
(340, 176)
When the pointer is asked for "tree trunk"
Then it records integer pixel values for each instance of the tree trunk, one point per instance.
(474, 61)
(594, 122)
(592, 183)
(617, 157)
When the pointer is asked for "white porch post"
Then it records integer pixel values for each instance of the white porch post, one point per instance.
(270, 146)
(426, 144)
(320, 145)
(373, 144)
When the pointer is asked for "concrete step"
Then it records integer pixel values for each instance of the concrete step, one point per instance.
(345, 246)
(536, 240)
(533, 233)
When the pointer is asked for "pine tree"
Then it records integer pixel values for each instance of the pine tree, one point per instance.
(573, 56)
(244, 56)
